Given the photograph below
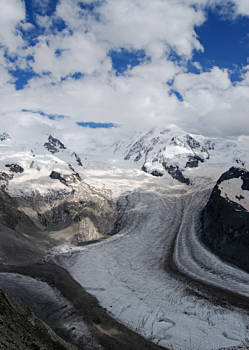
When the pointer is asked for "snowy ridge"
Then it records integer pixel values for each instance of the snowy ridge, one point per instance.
(36, 162)
(182, 155)
(170, 152)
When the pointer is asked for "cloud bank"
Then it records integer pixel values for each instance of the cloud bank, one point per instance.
(66, 50)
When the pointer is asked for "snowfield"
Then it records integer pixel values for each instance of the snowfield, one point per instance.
(232, 189)
(131, 276)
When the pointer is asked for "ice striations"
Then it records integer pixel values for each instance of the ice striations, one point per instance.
(138, 275)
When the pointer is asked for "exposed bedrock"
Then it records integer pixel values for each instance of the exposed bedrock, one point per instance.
(225, 219)
(15, 168)
(30, 225)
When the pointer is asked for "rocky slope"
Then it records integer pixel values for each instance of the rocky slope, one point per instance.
(20, 329)
(44, 203)
(225, 219)
(30, 225)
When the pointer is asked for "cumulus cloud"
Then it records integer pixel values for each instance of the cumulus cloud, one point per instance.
(242, 7)
(62, 55)
(11, 13)
(213, 104)
(141, 97)
(151, 25)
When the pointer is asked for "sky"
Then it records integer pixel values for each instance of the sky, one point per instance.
(126, 64)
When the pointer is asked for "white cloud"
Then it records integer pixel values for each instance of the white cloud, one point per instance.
(150, 25)
(11, 13)
(80, 52)
(69, 11)
(140, 98)
(242, 7)
(213, 104)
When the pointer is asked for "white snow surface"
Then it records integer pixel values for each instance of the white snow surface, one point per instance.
(130, 275)
(231, 190)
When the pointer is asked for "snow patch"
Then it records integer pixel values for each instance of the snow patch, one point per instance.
(231, 190)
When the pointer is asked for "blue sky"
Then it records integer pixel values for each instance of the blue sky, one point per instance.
(226, 43)
(142, 63)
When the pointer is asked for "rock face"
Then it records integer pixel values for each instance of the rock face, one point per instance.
(54, 145)
(20, 329)
(78, 160)
(65, 179)
(5, 177)
(193, 161)
(15, 168)
(176, 173)
(225, 219)
(4, 137)
(30, 225)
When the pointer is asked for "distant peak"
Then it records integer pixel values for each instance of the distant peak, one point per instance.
(4, 136)
(54, 145)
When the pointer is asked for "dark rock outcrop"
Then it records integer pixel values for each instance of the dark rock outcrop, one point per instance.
(65, 179)
(5, 177)
(75, 174)
(54, 145)
(193, 161)
(176, 173)
(15, 168)
(193, 143)
(78, 160)
(153, 172)
(156, 173)
(4, 136)
(225, 223)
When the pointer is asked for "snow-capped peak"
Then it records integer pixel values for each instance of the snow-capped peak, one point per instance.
(176, 152)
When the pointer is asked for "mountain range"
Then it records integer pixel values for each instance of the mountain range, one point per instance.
(123, 220)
